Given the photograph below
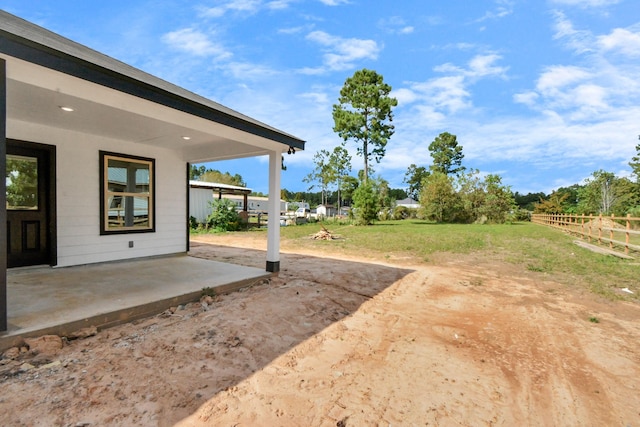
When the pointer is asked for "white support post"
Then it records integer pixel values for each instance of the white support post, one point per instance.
(273, 224)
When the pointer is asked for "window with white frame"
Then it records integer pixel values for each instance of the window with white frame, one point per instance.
(127, 203)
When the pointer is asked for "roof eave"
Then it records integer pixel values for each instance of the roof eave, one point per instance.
(169, 95)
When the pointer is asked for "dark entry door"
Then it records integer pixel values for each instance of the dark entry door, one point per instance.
(28, 204)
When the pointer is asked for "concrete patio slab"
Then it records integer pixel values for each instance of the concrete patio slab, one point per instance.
(44, 300)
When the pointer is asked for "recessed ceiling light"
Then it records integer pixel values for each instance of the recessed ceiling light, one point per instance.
(68, 109)
(186, 138)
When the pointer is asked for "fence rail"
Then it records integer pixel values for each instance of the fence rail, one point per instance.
(618, 233)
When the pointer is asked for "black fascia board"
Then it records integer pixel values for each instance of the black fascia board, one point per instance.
(36, 53)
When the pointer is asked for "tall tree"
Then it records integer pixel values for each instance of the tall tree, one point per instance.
(447, 154)
(599, 194)
(554, 204)
(196, 171)
(322, 173)
(349, 186)
(570, 203)
(213, 175)
(414, 177)
(340, 164)
(202, 173)
(364, 113)
(635, 163)
(529, 200)
(398, 194)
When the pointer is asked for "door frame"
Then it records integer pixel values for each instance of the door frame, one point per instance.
(50, 179)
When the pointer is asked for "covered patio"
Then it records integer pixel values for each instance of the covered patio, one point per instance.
(61, 301)
(96, 155)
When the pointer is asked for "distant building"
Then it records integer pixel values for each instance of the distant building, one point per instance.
(202, 193)
(408, 203)
(326, 211)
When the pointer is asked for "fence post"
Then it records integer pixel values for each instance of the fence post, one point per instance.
(613, 224)
(626, 240)
(600, 229)
(582, 228)
(590, 226)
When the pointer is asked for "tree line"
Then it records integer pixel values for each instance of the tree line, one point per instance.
(447, 190)
(601, 193)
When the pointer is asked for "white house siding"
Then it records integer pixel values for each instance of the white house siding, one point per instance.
(78, 197)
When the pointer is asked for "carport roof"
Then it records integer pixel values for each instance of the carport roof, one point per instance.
(219, 187)
(35, 45)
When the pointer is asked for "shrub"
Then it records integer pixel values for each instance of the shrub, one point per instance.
(365, 204)
(403, 212)
(521, 215)
(223, 216)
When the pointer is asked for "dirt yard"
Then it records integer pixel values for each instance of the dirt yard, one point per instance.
(347, 342)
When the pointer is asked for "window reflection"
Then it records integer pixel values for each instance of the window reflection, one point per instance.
(128, 193)
(22, 182)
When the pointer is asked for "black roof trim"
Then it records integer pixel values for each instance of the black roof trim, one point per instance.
(24, 40)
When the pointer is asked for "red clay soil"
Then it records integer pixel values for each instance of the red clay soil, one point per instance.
(347, 342)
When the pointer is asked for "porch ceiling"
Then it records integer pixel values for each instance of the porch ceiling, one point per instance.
(35, 95)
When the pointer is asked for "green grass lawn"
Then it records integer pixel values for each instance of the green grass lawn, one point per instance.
(534, 248)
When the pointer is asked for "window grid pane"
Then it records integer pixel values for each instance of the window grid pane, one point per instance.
(128, 195)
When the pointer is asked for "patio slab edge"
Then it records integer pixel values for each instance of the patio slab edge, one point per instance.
(118, 317)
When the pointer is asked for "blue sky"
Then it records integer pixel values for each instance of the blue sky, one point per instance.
(542, 92)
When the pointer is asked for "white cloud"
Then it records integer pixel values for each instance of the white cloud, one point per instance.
(439, 94)
(478, 66)
(579, 40)
(569, 89)
(318, 98)
(396, 25)
(248, 71)
(586, 3)
(504, 8)
(243, 6)
(279, 4)
(334, 2)
(527, 98)
(457, 46)
(483, 65)
(621, 40)
(291, 30)
(195, 43)
(441, 97)
(556, 77)
(602, 82)
(213, 12)
(404, 96)
(341, 53)
(591, 95)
